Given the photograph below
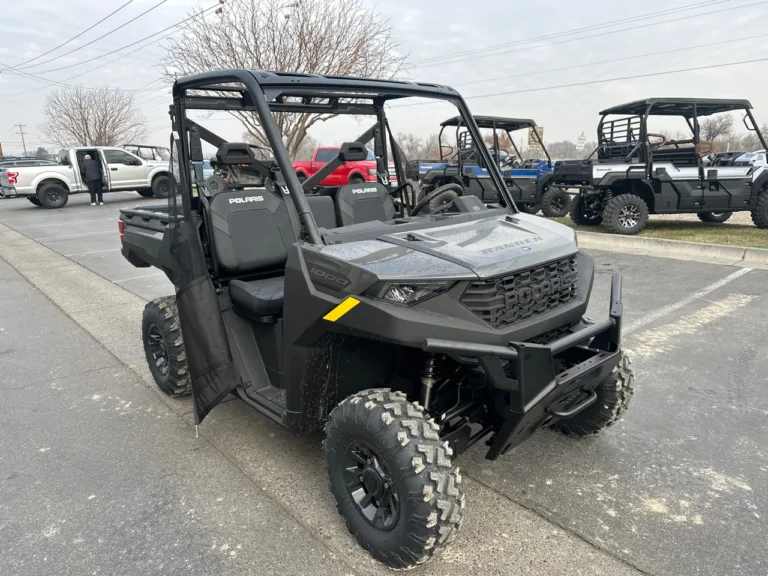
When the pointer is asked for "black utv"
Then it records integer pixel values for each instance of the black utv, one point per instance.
(527, 180)
(637, 173)
(408, 330)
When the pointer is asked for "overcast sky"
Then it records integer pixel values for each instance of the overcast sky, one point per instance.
(430, 29)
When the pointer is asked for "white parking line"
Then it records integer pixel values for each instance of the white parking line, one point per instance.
(661, 312)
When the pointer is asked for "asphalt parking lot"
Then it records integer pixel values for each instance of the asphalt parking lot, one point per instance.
(677, 488)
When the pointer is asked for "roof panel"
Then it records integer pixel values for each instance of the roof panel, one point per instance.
(679, 106)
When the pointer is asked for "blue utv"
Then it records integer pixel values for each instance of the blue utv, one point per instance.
(528, 181)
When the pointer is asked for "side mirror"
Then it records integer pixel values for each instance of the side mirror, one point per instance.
(352, 152)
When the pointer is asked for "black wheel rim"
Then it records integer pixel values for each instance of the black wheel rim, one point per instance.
(558, 203)
(54, 195)
(158, 349)
(163, 187)
(370, 486)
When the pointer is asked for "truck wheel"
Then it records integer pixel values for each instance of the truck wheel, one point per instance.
(714, 217)
(582, 216)
(146, 193)
(392, 477)
(356, 179)
(53, 195)
(164, 346)
(555, 202)
(625, 214)
(760, 211)
(216, 184)
(613, 397)
(529, 208)
(34, 200)
(162, 186)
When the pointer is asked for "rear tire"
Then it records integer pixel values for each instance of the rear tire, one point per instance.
(164, 346)
(381, 438)
(356, 179)
(162, 186)
(53, 195)
(555, 202)
(34, 200)
(714, 217)
(760, 211)
(146, 193)
(625, 214)
(614, 395)
(583, 217)
(529, 208)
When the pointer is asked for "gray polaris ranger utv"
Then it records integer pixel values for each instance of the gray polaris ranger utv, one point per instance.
(409, 328)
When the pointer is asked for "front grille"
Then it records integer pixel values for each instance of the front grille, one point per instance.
(505, 300)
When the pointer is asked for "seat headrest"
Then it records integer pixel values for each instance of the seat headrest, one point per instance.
(233, 153)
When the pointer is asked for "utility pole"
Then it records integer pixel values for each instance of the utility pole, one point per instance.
(21, 133)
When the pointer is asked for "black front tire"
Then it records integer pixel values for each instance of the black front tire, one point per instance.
(34, 200)
(146, 193)
(625, 214)
(216, 184)
(162, 186)
(164, 346)
(614, 395)
(760, 211)
(53, 195)
(356, 179)
(405, 445)
(555, 203)
(714, 217)
(529, 208)
(582, 216)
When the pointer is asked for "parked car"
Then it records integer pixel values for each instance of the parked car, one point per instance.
(51, 185)
(346, 173)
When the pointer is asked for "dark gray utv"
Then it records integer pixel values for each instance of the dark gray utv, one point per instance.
(408, 330)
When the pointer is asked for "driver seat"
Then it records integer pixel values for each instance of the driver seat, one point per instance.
(366, 202)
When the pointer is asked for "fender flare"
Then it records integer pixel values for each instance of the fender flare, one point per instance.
(545, 179)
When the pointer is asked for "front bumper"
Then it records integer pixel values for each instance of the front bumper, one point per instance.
(530, 392)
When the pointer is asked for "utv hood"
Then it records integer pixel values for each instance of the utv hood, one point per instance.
(482, 248)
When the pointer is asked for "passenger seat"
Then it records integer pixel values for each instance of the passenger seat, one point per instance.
(366, 202)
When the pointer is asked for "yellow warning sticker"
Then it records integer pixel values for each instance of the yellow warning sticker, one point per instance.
(341, 309)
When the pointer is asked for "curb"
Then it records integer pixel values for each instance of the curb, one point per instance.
(676, 249)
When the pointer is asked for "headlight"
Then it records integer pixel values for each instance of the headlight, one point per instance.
(408, 293)
(372, 171)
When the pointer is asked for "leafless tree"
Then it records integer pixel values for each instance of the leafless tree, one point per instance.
(88, 117)
(340, 37)
(416, 148)
(716, 127)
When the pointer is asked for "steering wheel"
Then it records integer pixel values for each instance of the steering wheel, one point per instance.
(510, 161)
(439, 199)
(657, 144)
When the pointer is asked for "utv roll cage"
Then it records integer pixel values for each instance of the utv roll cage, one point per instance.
(495, 123)
(267, 92)
(626, 139)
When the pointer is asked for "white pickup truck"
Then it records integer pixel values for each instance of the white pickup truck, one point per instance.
(50, 186)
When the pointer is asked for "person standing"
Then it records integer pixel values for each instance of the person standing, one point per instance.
(93, 179)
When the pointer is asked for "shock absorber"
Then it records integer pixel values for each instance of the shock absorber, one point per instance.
(428, 379)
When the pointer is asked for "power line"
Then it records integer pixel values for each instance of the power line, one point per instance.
(76, 37)
(147, 11)
(589, 82)
(596, 63)
(63, 82)
(573, 31)
(607, 33)
(201, 13)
